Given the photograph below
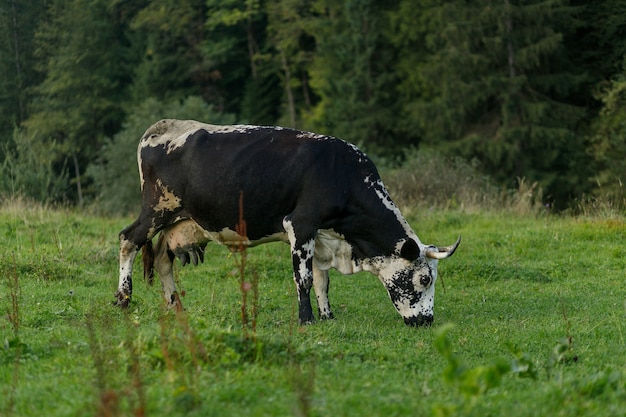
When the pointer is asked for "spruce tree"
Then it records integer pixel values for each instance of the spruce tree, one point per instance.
(496, 85)
(351, 74)
(602, 43)
(239, 56)
(293, 47)
(166, 38)
(18, 22)
(81, 53)
(608, 143)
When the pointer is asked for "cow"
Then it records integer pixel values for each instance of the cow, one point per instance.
(321, 195)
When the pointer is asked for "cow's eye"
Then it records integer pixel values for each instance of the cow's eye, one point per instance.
(425, 280)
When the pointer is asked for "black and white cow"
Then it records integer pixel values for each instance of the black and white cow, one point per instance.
(320, 194)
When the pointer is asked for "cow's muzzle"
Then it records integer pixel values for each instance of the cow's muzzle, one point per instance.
(419, 320)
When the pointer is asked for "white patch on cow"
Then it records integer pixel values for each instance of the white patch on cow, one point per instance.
(333, 251)
(311, 135)
(234, 241)
(390, 271)
(291, 234)
(168, 201)
(427, 303)
(184, 233)
(173, 133)
(356, 150)
(167, 130)
(127, 255)
(187, 231)
(320, 283)
(399, 245)
(163, 264)
(362, 156)
(307, 252)
(383, 195)
(141, 180)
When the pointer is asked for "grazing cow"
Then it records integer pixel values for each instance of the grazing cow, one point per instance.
(320, 194)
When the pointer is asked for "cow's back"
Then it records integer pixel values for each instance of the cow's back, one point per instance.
(275, 170)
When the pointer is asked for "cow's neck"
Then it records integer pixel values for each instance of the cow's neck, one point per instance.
(376, 226)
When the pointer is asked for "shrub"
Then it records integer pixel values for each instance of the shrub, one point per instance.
(428, 179)
(28, 170)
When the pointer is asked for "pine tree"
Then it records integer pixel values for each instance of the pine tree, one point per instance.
(240, 57)
(496, 86)
(82, 56)
(608, 143)
(603, 53)
(18, 20)
(599, 43)
(167, 36)
(350, 73)
(289, 28)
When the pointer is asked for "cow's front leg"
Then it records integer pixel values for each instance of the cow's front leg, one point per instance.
(303, 278)
(302, 250)
(302, 256)
(321, 284)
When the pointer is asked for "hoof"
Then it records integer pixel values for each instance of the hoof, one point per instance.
(306, 322)
(122, 301)
(329, 316)
(419, 320)
(175, 304)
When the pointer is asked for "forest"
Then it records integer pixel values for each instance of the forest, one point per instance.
(530, 90)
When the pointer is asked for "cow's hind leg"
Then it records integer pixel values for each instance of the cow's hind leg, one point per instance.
(164, 265)
(128, 252)
(321, 284)
(132, 239)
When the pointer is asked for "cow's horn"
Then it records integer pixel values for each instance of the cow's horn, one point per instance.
(444, 252)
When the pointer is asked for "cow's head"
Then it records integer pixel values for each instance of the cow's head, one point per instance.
(409, 276)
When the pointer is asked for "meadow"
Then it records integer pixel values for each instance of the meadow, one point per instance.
(530, 320)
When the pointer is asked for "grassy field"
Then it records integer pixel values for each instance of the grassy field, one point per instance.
(530, 320)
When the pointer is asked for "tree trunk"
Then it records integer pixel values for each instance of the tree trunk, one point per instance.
(79, 189)
(290, 101)
(18, 68)
(252, 48)
(509, 42)
(305, 90)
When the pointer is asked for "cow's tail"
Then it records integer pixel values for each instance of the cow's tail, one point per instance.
(147, 256)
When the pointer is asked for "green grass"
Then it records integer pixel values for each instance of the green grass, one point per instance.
(516, 286)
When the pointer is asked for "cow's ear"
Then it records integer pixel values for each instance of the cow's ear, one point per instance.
(410, 250)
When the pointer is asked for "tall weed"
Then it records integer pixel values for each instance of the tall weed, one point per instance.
(184, 356)
(600, 206)
(118, 393)
(13, 315)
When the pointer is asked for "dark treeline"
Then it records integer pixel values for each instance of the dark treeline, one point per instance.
(529, 89)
